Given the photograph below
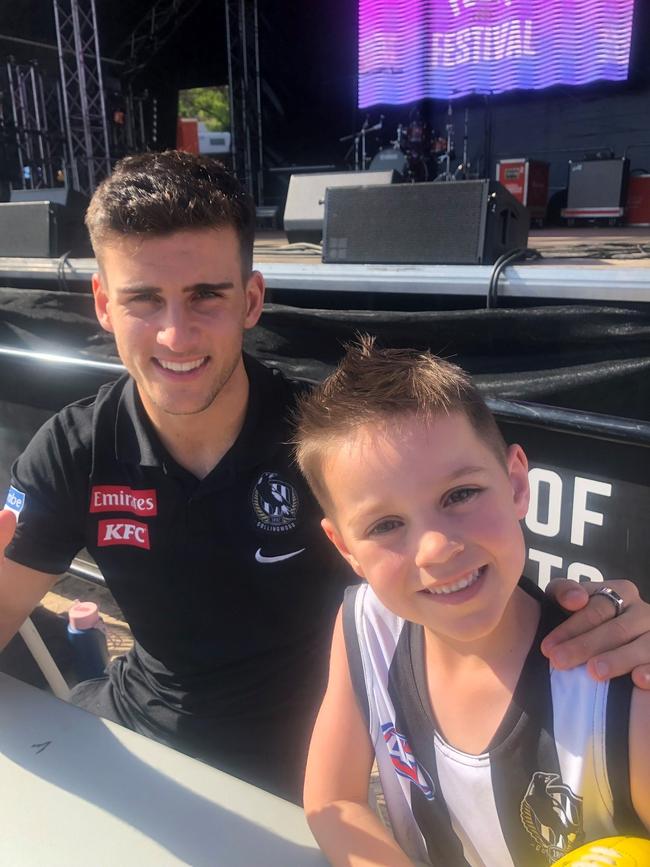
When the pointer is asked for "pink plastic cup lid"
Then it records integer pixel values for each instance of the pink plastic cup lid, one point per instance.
(83, 615)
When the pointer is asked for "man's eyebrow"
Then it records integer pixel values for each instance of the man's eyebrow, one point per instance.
(212, 287)
(143, 289)
(136, 289)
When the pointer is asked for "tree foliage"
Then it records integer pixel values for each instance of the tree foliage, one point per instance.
(207, 104)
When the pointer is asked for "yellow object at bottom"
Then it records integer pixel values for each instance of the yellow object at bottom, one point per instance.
(609, 852)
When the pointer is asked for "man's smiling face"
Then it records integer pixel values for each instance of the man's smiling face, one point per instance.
(178, 306)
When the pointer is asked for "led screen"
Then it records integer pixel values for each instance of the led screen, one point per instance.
(445, 49)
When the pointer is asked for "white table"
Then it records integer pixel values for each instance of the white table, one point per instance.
(79, 790)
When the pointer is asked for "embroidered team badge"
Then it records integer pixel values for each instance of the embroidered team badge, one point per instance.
(275, 503)
(552, 814)
(401, 755)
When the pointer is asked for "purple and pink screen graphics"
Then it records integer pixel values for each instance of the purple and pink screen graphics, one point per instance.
(445, 49)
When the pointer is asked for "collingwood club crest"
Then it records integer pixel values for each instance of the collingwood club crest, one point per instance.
(275, 503)
(552, 814)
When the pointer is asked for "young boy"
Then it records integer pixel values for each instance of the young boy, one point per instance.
(487, 756)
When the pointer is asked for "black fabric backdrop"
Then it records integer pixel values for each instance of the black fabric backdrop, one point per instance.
(587, 358)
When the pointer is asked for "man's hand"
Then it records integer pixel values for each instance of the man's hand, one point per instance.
(610, 646)
(7, 530)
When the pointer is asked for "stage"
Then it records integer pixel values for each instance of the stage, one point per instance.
(603, 265)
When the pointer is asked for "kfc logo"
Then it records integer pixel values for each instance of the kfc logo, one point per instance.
(117, 498)
(111, 532)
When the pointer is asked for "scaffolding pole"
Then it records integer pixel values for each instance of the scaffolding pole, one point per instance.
(244, 79)
(38, 135)
(82, 89)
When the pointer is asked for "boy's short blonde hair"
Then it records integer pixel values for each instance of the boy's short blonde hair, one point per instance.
(374, 386)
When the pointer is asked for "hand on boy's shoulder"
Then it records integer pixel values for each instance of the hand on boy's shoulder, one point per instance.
(610, 646)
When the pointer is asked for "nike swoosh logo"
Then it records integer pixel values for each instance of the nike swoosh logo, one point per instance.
(278, 557)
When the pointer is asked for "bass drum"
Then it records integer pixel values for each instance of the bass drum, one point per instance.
(408, 166)
(388, 159)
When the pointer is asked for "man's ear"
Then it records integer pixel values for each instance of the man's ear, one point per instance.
(517, 464)
(254, 290)
(337, 540)
(102, 310)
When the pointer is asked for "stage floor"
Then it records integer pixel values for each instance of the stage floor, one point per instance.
(576, 265)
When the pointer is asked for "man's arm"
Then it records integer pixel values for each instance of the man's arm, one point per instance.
(608, 646)
(338, 771)
(640, 755)
(21, 588)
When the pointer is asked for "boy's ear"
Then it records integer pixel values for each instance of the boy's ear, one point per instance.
(337, 540)
(517, 464)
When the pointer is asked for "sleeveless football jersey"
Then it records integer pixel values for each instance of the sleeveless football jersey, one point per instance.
(554, 776)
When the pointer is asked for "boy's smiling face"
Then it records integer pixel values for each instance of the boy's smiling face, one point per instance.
(429, 515)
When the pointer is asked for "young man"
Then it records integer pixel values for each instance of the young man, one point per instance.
(178, 479)
(488, 756)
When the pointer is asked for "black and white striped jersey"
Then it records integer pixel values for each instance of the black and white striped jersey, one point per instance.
(554, 776)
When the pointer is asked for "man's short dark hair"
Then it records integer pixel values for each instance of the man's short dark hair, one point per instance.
(156, 194)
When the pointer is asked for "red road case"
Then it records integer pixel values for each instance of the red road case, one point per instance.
(637, 209)
(527, 181)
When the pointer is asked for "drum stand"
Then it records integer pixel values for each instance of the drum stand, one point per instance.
(462, 171)
(359, 140)
(448, 175)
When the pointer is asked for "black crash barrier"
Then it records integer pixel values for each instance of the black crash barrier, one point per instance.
(570, 384)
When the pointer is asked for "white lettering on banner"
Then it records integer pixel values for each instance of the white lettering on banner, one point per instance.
(581, 515)
(551, 522)
(458, 6)
(577, 571)
(574, 571)
(483, 43)
(546, 563)
(551, 527)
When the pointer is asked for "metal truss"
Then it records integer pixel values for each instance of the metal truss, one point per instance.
(242, 31)
(133, 127)
(152, 32)
(84, 106)
(138, 131)
(37, 124)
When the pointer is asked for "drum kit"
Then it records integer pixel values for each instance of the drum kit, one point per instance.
(417, 153)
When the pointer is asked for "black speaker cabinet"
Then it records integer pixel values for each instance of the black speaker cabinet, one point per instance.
(597, 189)
(56, 195)
(303, 212)
(42, 229)
(448, 223)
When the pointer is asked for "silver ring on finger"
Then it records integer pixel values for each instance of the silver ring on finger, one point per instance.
(614, 598)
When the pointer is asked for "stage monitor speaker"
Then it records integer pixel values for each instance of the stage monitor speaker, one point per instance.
(56, 195)
(597, 189)
(42, 229)
(304, 210)
(440, 223)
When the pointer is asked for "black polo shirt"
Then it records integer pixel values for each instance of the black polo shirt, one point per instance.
(228, 583)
